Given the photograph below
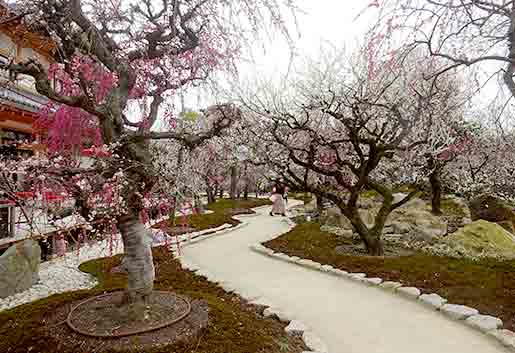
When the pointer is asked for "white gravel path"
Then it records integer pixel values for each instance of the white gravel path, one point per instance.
(63, 275)
(348, 316)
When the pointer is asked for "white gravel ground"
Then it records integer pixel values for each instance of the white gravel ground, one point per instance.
(62, 274)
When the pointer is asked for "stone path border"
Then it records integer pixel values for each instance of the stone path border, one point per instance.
(294, 327)
(492, 326)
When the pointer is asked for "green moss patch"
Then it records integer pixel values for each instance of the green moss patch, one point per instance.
(222, 213)
(488, 285)
(234, 325)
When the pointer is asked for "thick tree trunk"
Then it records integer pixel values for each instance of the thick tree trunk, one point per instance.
(436, 192)
(246, 192)
(320, 204)
(137, 243)
(234, 181)
(374, 245)
(370, 237)
(221, 193)
(210, 195)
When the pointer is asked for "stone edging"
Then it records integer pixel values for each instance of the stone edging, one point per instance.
(492, 326)
(204, 235)
(294, 327)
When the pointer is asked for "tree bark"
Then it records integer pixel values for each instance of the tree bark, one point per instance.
(234, 181)
(436, 192)
(371, 237)
(210, 195)
(137, 243)
(320, 203)
(436, 184)
(221, 193)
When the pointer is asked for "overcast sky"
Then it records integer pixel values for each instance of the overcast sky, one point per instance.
(320, 22)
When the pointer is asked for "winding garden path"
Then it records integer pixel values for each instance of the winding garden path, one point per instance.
(348, 316)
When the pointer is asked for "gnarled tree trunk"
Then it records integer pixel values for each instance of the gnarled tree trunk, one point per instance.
(436, 192)
(234, 181)
(371, 236)
(210, 195)
(138, 260)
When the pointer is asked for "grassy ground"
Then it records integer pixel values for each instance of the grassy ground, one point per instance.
(234, 326)
(487, 285)
(223, 210)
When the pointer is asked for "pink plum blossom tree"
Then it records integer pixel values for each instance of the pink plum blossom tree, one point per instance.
(117, 64)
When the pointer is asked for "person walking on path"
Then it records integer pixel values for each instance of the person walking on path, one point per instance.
(278, 206)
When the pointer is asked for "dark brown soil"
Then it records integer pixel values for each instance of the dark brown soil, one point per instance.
(182, 331)
(234, 325)
(177, 230)
(105, 315)
(487, 285)
(237, 211)
(358, 249)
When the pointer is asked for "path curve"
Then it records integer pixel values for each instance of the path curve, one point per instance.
(348, 316)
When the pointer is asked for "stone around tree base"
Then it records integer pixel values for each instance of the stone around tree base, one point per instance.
(458, 312)
(314, 342)
(389, 285)
(484, 323)
(409, 292)
(506, 337)
(433, 300)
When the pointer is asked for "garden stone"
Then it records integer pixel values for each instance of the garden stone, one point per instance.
(347, 233)
(357, 276)
(484, 323)
(458, 312)
(269, 312)
(309, 264)
(400, 228)
(409, 292)
(433, 300)
(373, 281)
(388, 230)
(393, 237)
(399, 196)
(314, 342)
(327, 268)
(339, 273)
(506, 337)
(491, 209)
(282, 256)
(476, 240)
(389, 285)
(19, 268)
(295, 328)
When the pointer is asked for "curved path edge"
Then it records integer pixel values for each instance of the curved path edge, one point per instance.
(343, 330)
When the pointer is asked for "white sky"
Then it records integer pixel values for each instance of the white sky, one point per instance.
(322, 22)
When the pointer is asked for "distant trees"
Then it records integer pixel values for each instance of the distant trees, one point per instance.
(338, 130)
